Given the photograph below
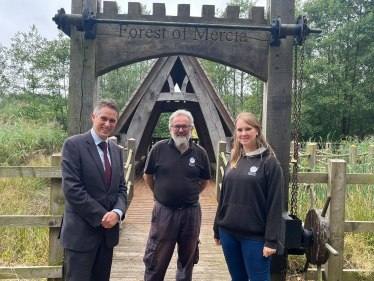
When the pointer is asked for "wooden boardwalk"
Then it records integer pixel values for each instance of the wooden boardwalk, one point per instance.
(128, 255)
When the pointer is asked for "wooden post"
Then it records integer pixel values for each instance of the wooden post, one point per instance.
(336, 188)
(114, 139)
(311, 151)
(83, 82)
(276, 113)
(352, 155)
(130, 192)
(370, 157)
(371, 152)
(57, 207)
(221, 148)
(328, 147)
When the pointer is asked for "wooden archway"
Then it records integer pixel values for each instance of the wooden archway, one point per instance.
(86, 64)
(156, 95)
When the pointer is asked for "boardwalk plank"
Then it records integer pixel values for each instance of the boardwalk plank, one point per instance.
(128, 255)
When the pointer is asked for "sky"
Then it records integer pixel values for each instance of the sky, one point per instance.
(20, 15)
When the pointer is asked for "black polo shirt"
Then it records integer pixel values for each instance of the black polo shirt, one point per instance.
(177, 175)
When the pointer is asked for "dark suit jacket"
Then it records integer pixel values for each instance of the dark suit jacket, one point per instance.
(87, 197)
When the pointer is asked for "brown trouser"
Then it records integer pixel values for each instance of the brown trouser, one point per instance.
(168, 227)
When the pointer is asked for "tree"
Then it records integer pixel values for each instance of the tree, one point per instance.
(35, 72)
(339, 89)
(4, 82)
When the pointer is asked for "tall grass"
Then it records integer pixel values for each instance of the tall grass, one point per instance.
(24, 141)
(21, 139)
(24, 196)
(359, 206)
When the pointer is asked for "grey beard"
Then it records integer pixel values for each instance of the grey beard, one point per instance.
(181, 142)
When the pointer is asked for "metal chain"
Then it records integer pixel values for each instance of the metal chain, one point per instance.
(298, 91)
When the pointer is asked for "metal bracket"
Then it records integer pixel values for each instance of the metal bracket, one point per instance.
(59, 19)
(88, 23)
(274, 39)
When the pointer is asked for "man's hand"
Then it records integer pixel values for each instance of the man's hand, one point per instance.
(268, 252)
(110, 219)
(218, 241)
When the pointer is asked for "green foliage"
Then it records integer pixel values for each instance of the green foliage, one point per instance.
(22, 137)
(239, 90)
(162, 126)
(245, 6)
(119, 84)
(339, 66)
(24, 246)
(35, 72)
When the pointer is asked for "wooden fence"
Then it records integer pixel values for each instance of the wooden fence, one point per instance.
(336, 178)
(314, 156)
(54, 270)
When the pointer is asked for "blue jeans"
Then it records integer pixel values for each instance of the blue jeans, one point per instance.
(245, 258)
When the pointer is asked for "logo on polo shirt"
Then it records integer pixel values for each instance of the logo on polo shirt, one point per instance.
(192, 161)
(252, 171)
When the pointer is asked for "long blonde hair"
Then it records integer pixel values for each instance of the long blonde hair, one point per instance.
(252, 121)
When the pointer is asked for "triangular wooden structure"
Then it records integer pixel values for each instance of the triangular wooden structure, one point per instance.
(155, 95)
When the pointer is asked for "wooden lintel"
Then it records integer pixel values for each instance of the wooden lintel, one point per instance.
(177, 96)
(31, 221)
(173, 106)
(30, 172)
(30, 272)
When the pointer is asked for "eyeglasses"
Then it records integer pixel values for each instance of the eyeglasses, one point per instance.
(185, 128)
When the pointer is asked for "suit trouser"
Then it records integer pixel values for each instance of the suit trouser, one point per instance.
(170, 227)
(90, 266)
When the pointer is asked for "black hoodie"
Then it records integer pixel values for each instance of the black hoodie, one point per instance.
(251, 199)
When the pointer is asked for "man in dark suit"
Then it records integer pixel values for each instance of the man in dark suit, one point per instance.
(96, 197)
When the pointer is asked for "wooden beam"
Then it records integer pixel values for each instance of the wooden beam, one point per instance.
(30, 172)
(306, 177)
(212, 91)
(30, 221)
(348, 275)
(360, 179)
(309, 177)
(276, 113)
(359, 226)
(30, 272)
(175, 105)
(244, 50)
(83, 81)
(209, 110)
(138, 94)
(177, 96)
(149, 125)
(148, 100)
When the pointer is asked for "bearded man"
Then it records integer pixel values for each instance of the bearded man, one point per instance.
(177, 171)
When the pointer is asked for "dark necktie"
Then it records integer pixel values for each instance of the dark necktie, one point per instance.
(108, 169)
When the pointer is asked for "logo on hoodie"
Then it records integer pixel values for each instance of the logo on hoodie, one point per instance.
(252, 171)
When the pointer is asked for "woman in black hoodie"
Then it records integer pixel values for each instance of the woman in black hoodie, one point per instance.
(250, 208)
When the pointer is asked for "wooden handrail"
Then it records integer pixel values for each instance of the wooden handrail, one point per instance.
(54, 219)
